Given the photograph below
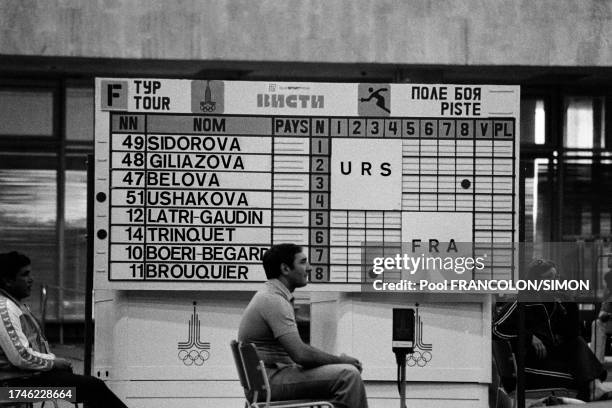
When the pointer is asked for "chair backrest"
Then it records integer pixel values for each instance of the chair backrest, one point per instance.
(254, 370)
(254, 379)
(239, 365)
(505, 364)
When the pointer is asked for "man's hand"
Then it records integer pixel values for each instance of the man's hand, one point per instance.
(539, 347)
(62, 364)
(309, 357)
(352, 361)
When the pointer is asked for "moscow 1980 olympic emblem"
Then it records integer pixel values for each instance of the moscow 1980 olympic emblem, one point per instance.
(422, 353)
(208, 105)
(193, 352)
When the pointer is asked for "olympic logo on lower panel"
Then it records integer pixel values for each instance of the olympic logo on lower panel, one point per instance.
(194, 352)
(193, 357)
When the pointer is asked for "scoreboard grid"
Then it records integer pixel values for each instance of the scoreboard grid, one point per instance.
(335, 265)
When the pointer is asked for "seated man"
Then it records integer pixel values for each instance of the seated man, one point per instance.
(25, 359)
(556, 355)
(295, 369)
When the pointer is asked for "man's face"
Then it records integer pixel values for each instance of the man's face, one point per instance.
(298, 272)
(21, 287)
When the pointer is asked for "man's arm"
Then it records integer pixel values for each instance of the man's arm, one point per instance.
(308, 356)
(279, 316)
(505, 325)
(62, 364)
(15, 344)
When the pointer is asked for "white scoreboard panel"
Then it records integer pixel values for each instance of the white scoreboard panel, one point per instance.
(195, 179)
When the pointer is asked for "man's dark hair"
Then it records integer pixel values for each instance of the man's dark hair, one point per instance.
(277, 255)
(10, 264)
(608, 280)
(538, 267)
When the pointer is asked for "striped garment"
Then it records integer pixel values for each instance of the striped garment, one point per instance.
(23, 346)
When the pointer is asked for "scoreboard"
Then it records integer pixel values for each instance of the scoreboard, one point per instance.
(195, 179)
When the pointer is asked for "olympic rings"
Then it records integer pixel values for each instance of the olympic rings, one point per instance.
(207, 106)
(191, 357)
(418, 359)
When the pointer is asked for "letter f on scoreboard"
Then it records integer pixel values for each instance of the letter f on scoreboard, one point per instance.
(114, 95)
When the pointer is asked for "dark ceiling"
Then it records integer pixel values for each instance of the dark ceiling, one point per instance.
(87, 68)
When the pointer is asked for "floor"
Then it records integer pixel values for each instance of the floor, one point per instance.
(75, 353)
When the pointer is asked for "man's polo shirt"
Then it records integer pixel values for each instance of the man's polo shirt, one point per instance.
(268, 317)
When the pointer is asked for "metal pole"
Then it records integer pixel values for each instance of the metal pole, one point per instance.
(43, 308)
(90, 266)
(403, 383)
(520, 357)
(60, 118)
(520, 363)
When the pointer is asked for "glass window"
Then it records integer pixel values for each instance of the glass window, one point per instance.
(79, 114)
(26, 113)
(538, 203)
(587, 202)
(605, 219)
(75, 245)
(28, 225)
(533, 121)
(587, 209)
(577, 198)
(584, 122)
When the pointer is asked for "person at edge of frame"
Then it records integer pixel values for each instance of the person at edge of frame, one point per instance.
(556, 355)
(25, 358)
(603, 323)
(295, 370)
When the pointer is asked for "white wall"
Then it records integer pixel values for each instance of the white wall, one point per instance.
(471, 32)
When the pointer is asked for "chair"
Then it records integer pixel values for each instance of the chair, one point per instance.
(254, 380)
(601, 333)
(505, 365)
